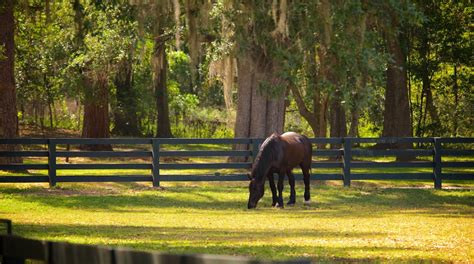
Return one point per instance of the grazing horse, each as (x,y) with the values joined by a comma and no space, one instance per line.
(280,154)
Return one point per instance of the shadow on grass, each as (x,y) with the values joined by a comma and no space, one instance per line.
(225,241)
(327,201)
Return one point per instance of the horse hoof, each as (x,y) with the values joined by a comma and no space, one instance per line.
(308,202)
(290,203)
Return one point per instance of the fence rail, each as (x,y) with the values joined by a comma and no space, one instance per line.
(347,157)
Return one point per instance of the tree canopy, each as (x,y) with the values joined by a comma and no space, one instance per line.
(225,68)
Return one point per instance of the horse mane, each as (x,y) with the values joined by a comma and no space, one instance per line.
(269,151)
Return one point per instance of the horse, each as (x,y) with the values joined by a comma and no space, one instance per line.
(280,154)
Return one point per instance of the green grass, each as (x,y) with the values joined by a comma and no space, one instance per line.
(366,222)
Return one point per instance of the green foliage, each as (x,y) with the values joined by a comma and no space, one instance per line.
(53,57)
(179,70)
(439,44)
(42,47)
(2,52)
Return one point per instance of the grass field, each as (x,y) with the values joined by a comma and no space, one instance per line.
(367,222)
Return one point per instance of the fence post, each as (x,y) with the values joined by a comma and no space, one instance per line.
(347,161)
(255,147)
(156,162)
(52,162)
(8,224)
(437,164)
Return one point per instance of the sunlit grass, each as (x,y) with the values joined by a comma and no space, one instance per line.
(363,223)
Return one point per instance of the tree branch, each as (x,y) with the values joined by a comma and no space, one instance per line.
(308,115)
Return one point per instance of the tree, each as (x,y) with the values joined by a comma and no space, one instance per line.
(101,44)
(393,18)
(126,121)
(8,113)
(261,90)
(158,13)
(125,108)
(438,50)
(160,68)
(397,120)
(340,66)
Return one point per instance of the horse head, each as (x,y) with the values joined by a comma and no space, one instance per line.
(256,190)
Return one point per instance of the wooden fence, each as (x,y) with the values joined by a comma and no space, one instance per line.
(15,250)
(348,155)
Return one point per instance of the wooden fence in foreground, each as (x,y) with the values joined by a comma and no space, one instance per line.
(348,155)
(16,250)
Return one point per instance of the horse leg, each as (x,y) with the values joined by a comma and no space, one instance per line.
(306,178)
(291,181)
(271,181)
(281,177)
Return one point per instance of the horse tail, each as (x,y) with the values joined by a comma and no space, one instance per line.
(309,151)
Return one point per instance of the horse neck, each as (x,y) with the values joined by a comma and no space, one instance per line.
(264,163)
(261,171)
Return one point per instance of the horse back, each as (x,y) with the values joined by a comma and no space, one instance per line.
(297,149)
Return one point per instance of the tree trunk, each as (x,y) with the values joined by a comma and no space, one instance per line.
(258,114)
(397,121)
(96,112)
(95,122)
(337,116)
(275,115)
(125,112)
(431,108)
(320,106)
(354,129)
(8,114)
(160,66)
(244,97)
(456,100)
(258,108)
(244,82)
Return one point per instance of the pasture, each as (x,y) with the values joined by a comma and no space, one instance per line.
(368,222)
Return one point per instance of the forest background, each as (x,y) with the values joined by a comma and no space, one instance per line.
(214,68)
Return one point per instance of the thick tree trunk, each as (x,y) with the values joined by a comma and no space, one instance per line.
(160,66)
(397,122)
(275,115)
(258,114)
(95,122)
(244,81)
(96,112)
(258,110)
(125,112)
(8,114)
(245,70)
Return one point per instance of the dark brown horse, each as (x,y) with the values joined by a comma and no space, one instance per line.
(280,154)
